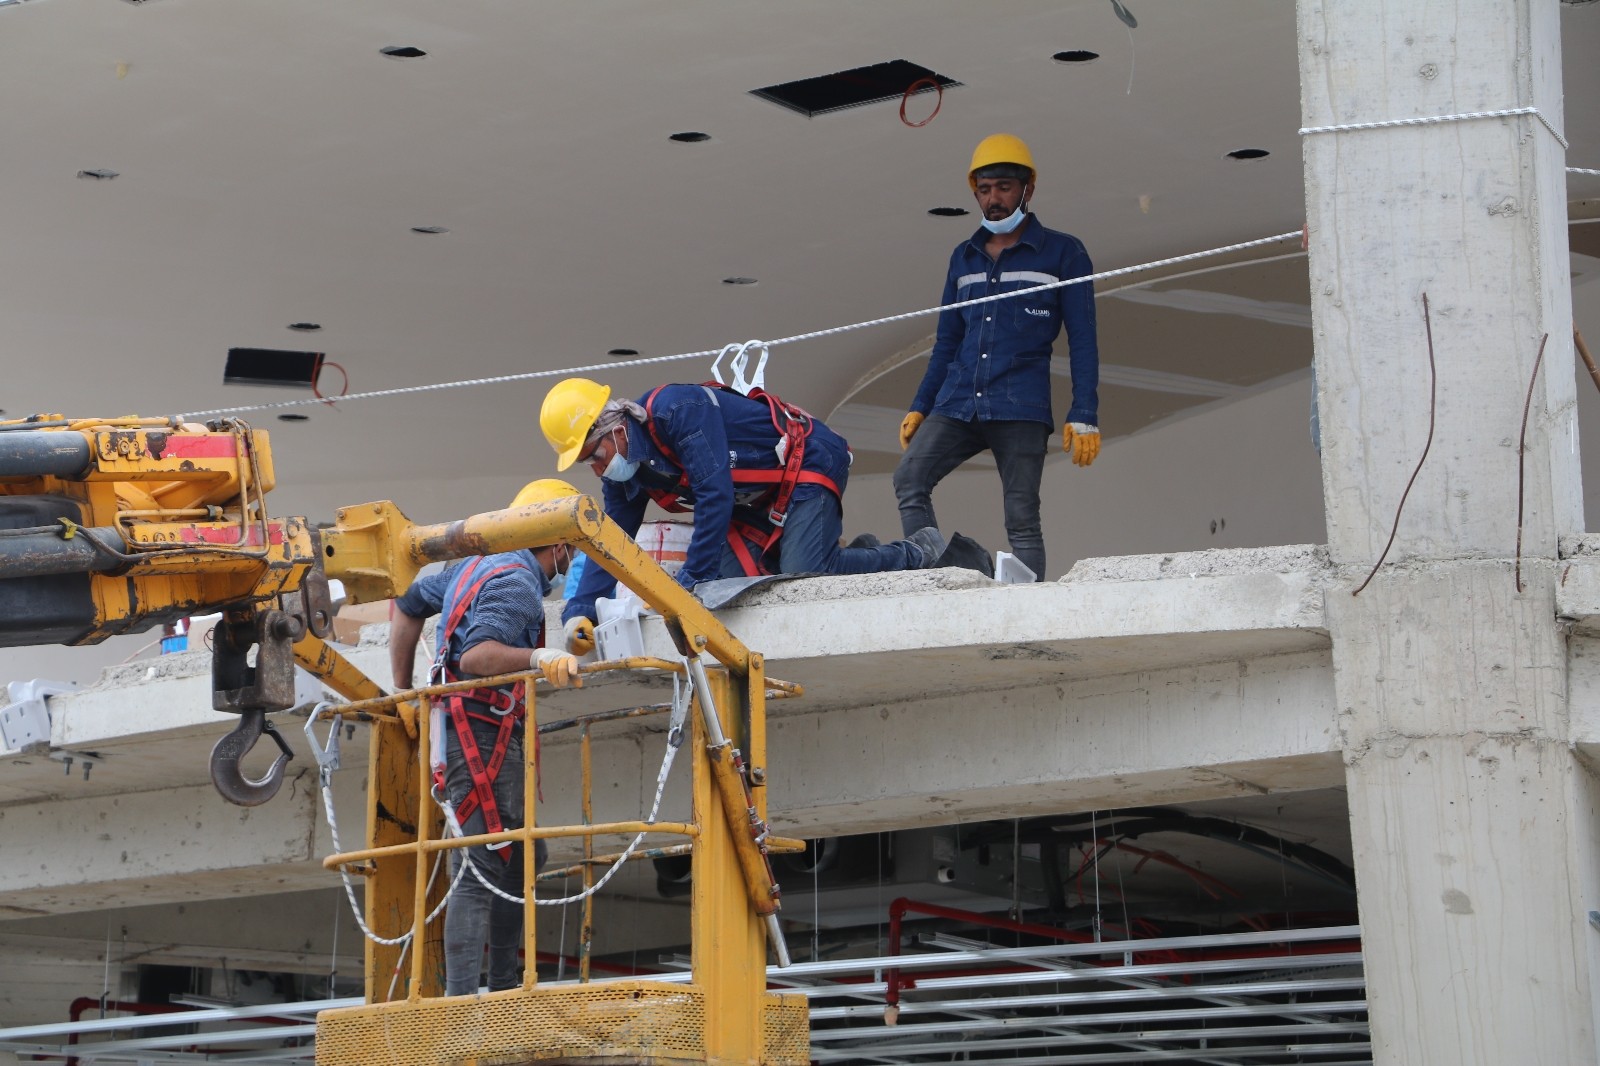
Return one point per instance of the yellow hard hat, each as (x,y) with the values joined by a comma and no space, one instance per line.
(999,148)
(543,491)
(569,412)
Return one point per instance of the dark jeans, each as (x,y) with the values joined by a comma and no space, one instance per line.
(810,544)
(475,914)
(942,444)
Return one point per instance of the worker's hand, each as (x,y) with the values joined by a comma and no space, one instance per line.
(1081,441)
(908,428)
(560,669)
(579,635)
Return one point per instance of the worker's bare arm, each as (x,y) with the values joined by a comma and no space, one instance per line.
(404,633)
(490,657)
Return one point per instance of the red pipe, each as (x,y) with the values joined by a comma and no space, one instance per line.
(897,912)
(83,1003)
(898,909)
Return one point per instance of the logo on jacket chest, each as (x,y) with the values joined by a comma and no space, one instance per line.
(1037,312)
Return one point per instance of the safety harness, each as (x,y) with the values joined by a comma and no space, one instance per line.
(505,711)
(794,426)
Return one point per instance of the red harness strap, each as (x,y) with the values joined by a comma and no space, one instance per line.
(510,710)
(794,426)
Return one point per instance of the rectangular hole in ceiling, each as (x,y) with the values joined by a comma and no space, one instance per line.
(271,366)
(852,88)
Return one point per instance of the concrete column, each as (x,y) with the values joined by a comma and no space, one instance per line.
(1471,817)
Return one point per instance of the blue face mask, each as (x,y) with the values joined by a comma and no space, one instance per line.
(619,469)
(1009,223)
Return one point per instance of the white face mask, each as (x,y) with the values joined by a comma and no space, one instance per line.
(1010,222)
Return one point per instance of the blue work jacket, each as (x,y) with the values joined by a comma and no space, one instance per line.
(710,433)
(509,608)
(991,362)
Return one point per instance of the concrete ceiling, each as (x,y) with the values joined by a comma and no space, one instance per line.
(272,163)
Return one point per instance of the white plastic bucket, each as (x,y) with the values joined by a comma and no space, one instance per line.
(666,542)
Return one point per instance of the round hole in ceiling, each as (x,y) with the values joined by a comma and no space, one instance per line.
(738,281)
(948,212)
(429,229)
(294,416)
(1249,153)
(403,51)
(622,353)
(1076,55)
(689,137)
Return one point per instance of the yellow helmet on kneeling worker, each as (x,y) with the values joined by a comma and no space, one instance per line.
(569,411)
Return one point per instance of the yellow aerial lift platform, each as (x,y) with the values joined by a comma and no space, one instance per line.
(115,525)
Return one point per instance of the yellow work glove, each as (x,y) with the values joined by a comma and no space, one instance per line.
(579,635)
(908,428)
(560,669)
(1081,441)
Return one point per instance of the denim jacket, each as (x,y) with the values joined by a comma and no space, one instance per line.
(509,608)
(710,432)
(991,362)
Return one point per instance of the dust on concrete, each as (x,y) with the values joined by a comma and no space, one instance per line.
(823,588)
(1213,562)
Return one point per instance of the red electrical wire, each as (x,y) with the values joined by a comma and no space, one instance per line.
(1433,406)
(911,90)
(315,391)
(1522,449)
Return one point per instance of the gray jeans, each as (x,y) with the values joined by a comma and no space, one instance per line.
(942,444)
(474,913)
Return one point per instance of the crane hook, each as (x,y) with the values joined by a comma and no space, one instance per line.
(233,747)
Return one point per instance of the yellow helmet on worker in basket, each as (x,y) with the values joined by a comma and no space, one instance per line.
(543,491)
(1000,148)
(569,412)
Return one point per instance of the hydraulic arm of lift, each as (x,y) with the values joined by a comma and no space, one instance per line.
(112,526)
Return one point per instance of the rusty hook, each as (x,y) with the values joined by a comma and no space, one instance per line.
(233,747)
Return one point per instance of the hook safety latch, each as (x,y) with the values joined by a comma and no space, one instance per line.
(226,773)
(327,755)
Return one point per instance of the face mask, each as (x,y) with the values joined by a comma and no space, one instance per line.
(1009,223)
(619,468)
(564,564)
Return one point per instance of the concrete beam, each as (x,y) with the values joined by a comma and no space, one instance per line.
(1158,736)
(168,846)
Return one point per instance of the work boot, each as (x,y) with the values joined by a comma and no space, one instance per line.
(929,542)
(968,554)
(864,540)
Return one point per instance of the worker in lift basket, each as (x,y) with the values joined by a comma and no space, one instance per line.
(492,622)
(764,479)
(987,386)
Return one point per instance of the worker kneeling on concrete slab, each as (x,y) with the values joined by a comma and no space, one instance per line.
(764,479)
(492,623)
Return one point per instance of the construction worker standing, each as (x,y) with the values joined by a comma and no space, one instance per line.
(492,622)
(763,478)
(987,386)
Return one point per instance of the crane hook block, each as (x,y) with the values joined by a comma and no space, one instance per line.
(226,772)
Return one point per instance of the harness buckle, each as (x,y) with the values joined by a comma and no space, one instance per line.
(777,517)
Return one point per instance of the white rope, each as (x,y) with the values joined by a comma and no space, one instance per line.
(1434,120)
(349,887)
(1582,170)
(711,352)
